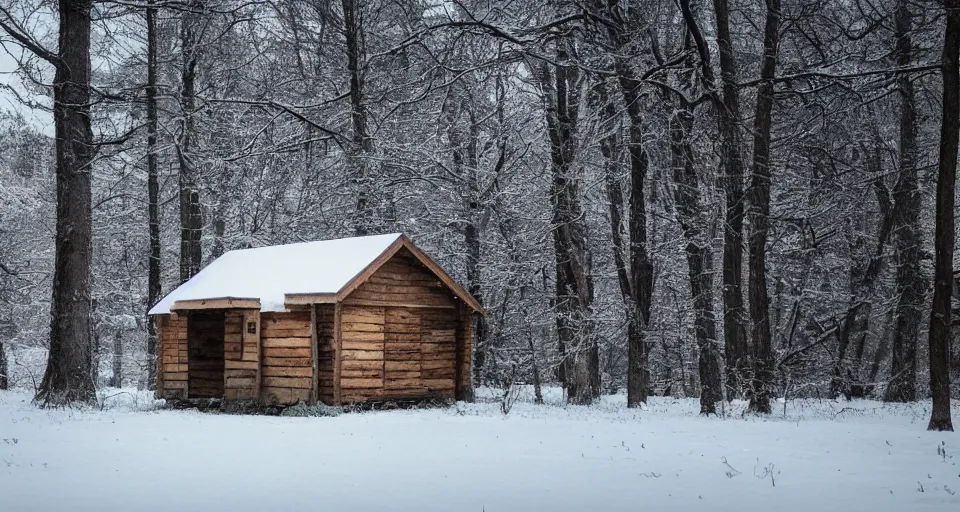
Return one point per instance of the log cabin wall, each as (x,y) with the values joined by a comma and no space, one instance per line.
(402,281)
(464,356)
(399,335)
(439,351)
(361,353)
(242,354)
(287,365)
(325,352)
(172,377)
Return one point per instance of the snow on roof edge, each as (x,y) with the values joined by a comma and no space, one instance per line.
(318,267)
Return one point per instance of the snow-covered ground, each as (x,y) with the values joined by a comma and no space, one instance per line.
(128,456)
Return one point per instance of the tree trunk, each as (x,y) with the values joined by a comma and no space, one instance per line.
(465,163)
(154,290)
(116,380)
(219,219)
(910,284)
(939,338)
(191,218)
(537,388)
(853,323)
(362,145)
(574,284)
(611,147)
(69,374)
(4,377)
(699,259)
(471,237)
(641,270)
(883,348)
(728,113)
(759,214)
(864,271)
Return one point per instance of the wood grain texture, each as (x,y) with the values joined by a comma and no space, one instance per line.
(287,357)
(216,303)
(325,352)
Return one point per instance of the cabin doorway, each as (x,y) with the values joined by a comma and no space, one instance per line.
(205,365)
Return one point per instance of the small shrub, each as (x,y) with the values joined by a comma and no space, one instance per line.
(302,410)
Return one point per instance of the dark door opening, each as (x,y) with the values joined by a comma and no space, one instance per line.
(205,333)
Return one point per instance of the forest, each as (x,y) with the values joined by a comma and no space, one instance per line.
(724,199)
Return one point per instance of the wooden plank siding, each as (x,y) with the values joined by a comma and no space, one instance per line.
(401,352)
(402,281)
(361,353)
(464,356)
(399,335)
(287,366)
(172,376)
(241,355)
(439,351)
(325,352)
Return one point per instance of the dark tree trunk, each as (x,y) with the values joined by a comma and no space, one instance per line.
(939,339)
(219,220)
(191,218)
(465,161)
(116,380)
(69,374)
(759,214)
(362,145)
(641,270)
(727,106)
(471,237)
(154,289)
(907,198)
(728,113)
(699,259)
(611,148)
(574,284)
(853,324)
(4,377)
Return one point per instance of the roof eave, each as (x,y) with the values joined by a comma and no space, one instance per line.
(216,303)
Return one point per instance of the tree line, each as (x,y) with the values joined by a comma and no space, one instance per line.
(726,199)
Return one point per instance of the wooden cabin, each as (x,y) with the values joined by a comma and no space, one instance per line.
(337,321)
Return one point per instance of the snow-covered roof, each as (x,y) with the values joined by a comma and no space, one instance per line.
(269,273)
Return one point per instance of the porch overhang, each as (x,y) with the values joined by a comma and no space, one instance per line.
(216,303)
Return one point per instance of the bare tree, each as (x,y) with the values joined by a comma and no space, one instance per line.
(759,215)
(154,288)
(361,148)
(727,105)
(191,217)
(939,337)
(699,255)
(560,89)
(69,373)
(636,280)
(907,199)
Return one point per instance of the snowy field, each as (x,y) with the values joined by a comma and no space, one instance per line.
(129,456)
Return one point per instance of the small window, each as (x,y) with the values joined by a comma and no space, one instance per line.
(251,327)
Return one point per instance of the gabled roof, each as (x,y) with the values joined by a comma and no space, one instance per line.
(272,277)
